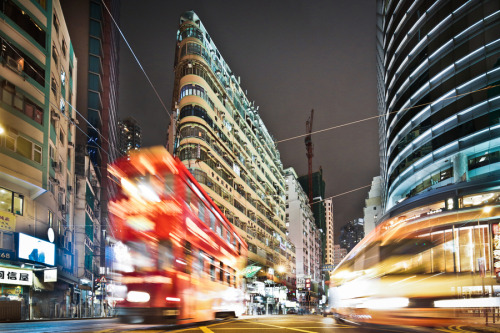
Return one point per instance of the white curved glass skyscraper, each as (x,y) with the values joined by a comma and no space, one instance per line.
(439,101)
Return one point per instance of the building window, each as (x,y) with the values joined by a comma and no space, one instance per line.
(51,219)
(63,77)
(63,47)
(54,54)
(62,105)
(16,99)
(56,23)
(61,137)
(53,85)
(23,146)
(24,21)
(11,201)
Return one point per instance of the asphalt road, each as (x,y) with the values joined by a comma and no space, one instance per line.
(254,324)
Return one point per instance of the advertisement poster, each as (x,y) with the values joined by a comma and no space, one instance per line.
(35,249)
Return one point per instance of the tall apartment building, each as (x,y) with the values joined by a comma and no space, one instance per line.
(318,209)
(220,137)
(329,232)
(305,235)
(302,229)
(339,253)
(96,41)
(438,66)
(352,233)
(129,133)
(37,140)
(373,205)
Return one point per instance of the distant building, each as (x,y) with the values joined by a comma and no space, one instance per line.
(129,135)
(329,232)
(352,233)
(302,229)
(373,205)
(339,253)
(306,236)
(318,209)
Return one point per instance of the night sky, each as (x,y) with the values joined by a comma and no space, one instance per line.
(292,56)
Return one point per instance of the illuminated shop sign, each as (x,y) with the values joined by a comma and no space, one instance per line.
(35,249)
(16,276)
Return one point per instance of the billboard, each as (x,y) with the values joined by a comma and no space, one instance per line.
(35,249)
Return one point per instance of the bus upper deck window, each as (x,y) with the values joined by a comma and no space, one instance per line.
(169,181)
(165,255)
(221,272)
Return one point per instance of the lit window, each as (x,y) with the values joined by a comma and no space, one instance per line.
(63,77)
(62,105)
(11,201)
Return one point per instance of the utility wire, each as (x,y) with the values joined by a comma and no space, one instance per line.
(341,194)
(385,114)
(136,59)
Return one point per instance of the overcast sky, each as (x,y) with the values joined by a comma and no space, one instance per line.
(292,56)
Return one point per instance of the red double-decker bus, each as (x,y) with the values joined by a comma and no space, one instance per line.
(177,256)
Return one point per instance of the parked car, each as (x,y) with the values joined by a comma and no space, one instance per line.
(291,311)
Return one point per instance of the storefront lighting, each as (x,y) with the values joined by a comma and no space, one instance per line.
(487,209)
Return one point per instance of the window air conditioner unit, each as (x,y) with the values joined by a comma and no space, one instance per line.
(71,144)
(17,65)
(55,116)
(70,188)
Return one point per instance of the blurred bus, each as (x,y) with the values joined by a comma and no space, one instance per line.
(428,271)
(177,256)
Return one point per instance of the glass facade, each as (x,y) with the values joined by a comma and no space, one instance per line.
(439,102)
(438,64)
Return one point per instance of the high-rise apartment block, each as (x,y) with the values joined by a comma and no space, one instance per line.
(219,135)
(306,236)
(37,157)
(352,233)
(129,133)
(96,45)
(302,229)
(329,232)
(339,254)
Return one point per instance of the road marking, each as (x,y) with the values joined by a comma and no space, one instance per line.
(278,328)
(287,328)
(454,329)
(205,329)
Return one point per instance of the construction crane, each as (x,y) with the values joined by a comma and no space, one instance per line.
(309,154)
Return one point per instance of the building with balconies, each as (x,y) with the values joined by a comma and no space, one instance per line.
(304,234)
(88,234)
(37,141)
(217,132)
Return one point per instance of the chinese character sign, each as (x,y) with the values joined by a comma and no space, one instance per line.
(7,221)
(16,276)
